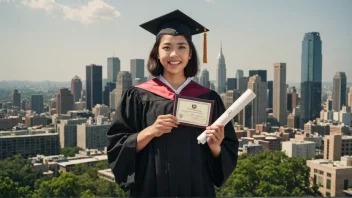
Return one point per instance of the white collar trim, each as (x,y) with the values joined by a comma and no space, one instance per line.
(162,79)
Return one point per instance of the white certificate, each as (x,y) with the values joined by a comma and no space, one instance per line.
(193,111)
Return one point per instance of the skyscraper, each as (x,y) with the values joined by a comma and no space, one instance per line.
(261,73)
(113,68)
(37,103)
(280,100)
(259,87)
(64,101)
(339,91)
(110,86)
(221,73)
(16,98)
(231,83)
(124,81)
(239,76)
(94,85)
(76,88)
(204,78)
(311,77)
(137,70)
(270,94)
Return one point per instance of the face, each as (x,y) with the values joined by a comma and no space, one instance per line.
(174,54)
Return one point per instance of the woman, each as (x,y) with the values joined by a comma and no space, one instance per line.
(149,152)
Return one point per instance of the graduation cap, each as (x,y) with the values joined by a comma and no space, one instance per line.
(177,23)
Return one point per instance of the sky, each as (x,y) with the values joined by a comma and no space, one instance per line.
(55,39)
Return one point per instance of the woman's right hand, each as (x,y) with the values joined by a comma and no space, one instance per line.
(163,124)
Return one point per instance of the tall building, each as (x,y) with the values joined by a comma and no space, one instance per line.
(76,88)
(68,131)
(137,70)
(110,86)
(339,91)
(28,144)
(92,136)
(204,78)
(279,99)
(64,101)
(350,97)
(239,76)
(261,73)
(94,85)
(113,68)
(259,103)
(221,73)
(311,77)
(16,98)
(299,148)
(37,103)
(231,83)
(242,87)
(270,94)
(332,177)
(124,81)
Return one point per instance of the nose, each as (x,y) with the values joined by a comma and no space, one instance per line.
(173,53)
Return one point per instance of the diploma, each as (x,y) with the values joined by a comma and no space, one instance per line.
(193,112)
(231,112)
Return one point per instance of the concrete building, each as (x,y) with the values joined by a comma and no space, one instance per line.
(76,88)
(299,148)
(279,98)
(67,130)
(239,75)
(258,109)
(37,104)
(337,145)
(92,136)
(334,177)
(253,148)
(28,143)
(221,73)
(64,101)
(339,91)
(231,84)
(68,166)
(35,120)
(124,81)
(101,110)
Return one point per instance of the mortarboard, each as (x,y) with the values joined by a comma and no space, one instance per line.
(177,23)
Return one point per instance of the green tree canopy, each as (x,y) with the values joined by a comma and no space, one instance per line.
(269,173)
(69,151)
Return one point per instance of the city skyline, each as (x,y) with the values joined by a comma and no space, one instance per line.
(55,37)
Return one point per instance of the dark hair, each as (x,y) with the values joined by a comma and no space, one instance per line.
(155,67)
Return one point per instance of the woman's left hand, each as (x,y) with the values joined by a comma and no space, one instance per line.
(215,136)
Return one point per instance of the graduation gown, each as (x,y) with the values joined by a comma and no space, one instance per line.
(173,164)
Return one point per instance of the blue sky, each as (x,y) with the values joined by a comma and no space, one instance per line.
(56,39)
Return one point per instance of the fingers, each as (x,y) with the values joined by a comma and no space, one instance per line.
(216,133)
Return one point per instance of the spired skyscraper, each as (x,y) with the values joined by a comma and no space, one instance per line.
(221,73)
(311,77)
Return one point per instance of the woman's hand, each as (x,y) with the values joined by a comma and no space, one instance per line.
(215,136)
(163,124)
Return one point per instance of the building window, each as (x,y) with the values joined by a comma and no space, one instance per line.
(321,172)
(315,170)
(328,184)
(328,194)
(345,184)
(328,174)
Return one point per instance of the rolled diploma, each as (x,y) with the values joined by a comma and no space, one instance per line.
(231,112)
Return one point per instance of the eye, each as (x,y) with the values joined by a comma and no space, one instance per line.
(166,48)
(182,47)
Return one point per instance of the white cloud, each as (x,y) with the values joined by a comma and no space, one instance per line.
(94,11)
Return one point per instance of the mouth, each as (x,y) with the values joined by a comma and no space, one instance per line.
(174,63)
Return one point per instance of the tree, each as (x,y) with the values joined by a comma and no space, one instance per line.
(69,151)
(269,173)
(19,170)
(66,185)
(9,188)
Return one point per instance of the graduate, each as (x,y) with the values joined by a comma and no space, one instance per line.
(150,153)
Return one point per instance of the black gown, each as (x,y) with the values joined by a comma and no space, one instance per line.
(173,164)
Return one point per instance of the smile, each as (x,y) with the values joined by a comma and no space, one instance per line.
(174,62)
